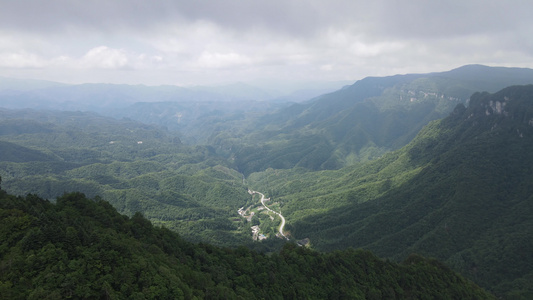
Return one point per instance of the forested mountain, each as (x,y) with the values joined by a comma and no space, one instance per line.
(195,111)
(360,122)
(136,167)
(258,130)
(460,192)
(81,248)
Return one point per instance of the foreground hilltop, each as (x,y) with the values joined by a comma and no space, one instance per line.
(83,248)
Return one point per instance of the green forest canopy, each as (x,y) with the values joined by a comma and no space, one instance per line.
(82,248)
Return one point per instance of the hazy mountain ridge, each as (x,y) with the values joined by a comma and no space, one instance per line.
(211,114)
(196,112)
(12,84)
(362,121)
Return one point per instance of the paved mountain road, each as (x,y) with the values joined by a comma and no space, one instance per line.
(279,214)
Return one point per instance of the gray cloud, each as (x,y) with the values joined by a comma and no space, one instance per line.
(65,15)
(168,41)
(295,17)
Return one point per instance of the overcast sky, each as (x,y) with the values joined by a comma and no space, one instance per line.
(212,42)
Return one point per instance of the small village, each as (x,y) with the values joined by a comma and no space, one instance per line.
(248,214)
(252,210)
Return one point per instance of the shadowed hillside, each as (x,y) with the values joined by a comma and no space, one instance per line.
(360,122)
(459,192)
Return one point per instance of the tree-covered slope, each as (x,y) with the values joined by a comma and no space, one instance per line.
(136,167)
(360,122)
(15,153)
(460,192)
(81,248)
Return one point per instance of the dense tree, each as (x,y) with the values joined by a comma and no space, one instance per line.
(459,192)
(82,248)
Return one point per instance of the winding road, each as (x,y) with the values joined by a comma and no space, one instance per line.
(279,214)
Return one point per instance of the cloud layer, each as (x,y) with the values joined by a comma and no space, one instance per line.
(205,42)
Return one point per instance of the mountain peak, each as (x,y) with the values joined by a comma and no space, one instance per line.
(515,102)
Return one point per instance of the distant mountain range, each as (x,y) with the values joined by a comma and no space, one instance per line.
(98,96)
(336,127)
(359,122)
(190,110)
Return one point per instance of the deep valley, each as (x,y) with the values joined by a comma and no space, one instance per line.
(429,172)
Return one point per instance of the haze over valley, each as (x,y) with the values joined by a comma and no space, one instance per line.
(282,150)
(339,170)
